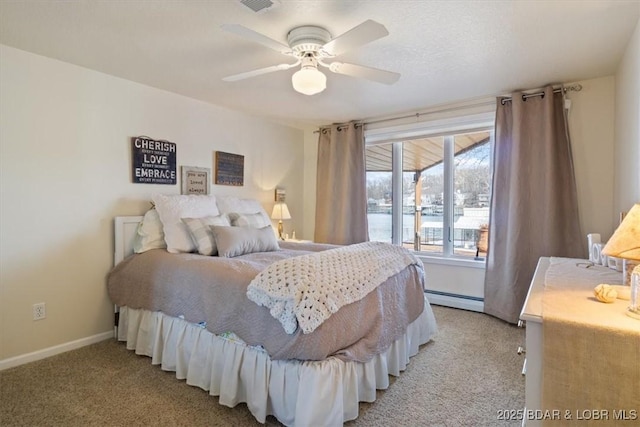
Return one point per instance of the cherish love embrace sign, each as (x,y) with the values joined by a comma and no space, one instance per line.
(153,162)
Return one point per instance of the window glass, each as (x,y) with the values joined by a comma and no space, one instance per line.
(472,188)
(379,195)
(446,185)
(422,161)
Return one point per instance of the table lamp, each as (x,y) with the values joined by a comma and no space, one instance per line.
(625,244)
(280,212)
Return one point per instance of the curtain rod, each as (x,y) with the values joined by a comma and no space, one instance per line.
(564,89)
(569,88)
(408,116)
(437,111)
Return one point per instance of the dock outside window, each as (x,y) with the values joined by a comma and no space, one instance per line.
(445,183)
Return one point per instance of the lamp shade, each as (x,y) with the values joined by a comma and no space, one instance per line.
(625,242)
(309,80)
(280,212)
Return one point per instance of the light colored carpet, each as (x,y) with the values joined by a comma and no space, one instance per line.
(462,378)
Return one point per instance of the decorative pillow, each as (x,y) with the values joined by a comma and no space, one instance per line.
(149,234)
(231,204)
(255,220)
(171,208)
(234,206)
(202,234)
(235,241)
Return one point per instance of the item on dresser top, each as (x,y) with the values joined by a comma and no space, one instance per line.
(602,259)
(625,243)
(592,239)
(596,253)
(621,292)
(614,262)
(634,298)
(605,293)
(624,292)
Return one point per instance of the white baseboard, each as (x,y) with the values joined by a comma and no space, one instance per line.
(52,351)
(455,302)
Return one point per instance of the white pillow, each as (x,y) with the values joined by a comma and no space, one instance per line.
(235,241)
(232,204)
(255,220)
(171,208)
(235,206)
(149,234)
(202,234)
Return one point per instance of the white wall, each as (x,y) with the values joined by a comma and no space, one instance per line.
(65,172)
(627,128)
(591,127)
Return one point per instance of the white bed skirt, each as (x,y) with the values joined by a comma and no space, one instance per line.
(324,393)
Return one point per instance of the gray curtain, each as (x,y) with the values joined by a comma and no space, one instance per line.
(341,192)
(534,207)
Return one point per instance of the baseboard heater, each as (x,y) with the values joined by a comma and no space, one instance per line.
(447,299)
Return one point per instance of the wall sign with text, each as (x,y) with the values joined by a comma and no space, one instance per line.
(153,162)
(229,169)
(195,180)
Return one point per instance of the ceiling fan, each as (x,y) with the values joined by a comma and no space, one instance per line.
(312,46)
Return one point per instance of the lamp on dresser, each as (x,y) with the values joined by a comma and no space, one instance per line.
(280,212)
(625,243)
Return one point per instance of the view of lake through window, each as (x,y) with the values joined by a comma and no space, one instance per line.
(442,177)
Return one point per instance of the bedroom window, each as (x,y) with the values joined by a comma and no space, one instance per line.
(430,192)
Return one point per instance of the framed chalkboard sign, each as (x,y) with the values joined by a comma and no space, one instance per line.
(229,169)
(153,162)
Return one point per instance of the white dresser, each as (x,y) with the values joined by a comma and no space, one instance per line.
(532,315)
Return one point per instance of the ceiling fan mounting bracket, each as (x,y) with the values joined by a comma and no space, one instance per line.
(308,39)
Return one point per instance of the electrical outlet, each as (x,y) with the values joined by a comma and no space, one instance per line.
(39,312)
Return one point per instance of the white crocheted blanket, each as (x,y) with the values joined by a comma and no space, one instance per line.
(305,290)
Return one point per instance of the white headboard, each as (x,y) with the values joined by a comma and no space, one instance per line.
(125,228)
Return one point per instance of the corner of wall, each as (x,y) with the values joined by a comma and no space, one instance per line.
(309,186)
(627,127)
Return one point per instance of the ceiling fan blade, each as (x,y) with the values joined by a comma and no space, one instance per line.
(259,71)
(375,74)
(253,36)
(360,35)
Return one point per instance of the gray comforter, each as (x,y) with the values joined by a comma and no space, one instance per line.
(213,290)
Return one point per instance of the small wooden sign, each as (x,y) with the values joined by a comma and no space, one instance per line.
(195,180)
(153,162)
(229,169)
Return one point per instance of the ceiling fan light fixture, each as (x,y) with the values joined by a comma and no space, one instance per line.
(308,80)
(311,46)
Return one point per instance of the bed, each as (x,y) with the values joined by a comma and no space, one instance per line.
(164,311)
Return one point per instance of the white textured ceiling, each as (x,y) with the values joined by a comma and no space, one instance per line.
(446,51)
